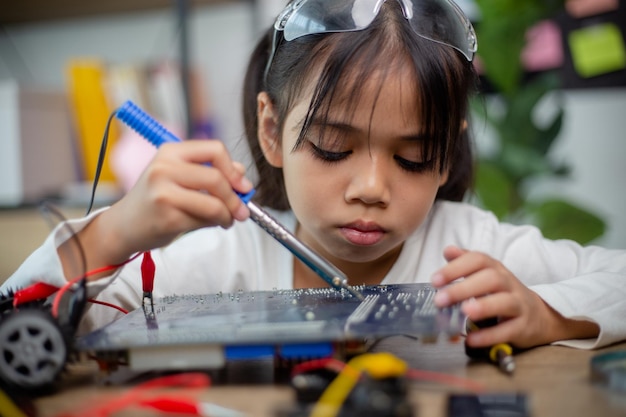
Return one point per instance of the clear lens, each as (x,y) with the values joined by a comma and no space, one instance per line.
(320,16)
(444,22)
(440,21)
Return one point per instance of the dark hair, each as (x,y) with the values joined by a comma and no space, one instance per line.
(444,77)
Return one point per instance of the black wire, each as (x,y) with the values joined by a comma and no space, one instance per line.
(46,210)
(101,156)
(78,300)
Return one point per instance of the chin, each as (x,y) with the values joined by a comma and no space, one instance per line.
(363,254)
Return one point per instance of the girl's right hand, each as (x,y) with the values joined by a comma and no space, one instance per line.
(177,192)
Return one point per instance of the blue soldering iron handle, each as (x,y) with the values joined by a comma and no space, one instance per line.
(154,132)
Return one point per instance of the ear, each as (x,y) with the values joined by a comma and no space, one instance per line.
(464,126)
(268,134)
(444,177)
(446,174)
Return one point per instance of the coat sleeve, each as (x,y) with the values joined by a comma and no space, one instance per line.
(44,265)
(579,282)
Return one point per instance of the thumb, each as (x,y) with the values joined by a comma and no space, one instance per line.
(453,252)
(239,167)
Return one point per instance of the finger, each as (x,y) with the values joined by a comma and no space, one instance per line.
(197,209)
(460,267)
(453,252)
(173,210)
(500,304)
(214,184)
(503,332)
(215,153)
(481,283)
(241,168)
(195,177)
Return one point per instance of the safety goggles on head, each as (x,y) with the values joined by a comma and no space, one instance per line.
(440,21)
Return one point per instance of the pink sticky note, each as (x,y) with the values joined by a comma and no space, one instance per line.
(544,49)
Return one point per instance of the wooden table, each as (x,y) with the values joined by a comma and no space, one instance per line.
(555,379)
(22,230)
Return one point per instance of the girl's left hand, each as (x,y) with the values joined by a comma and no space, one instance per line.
(489,290)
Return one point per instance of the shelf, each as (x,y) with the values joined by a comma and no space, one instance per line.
(28,11)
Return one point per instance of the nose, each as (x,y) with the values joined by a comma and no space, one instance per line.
(369,183)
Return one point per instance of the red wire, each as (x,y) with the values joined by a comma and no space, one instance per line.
(138,394)
(104,303)
(172,405)
(315,364)
(445,379)
(65,288)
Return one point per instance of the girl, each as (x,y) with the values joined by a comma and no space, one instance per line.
(356,114)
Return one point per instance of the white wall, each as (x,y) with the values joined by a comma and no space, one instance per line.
(593,140)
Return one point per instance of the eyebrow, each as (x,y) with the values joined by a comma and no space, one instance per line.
(335,125)
(418,137)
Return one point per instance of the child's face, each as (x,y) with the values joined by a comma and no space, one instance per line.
(361,191)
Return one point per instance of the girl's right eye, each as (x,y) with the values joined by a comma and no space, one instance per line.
(327,156)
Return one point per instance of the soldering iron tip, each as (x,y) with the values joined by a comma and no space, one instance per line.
(354,292)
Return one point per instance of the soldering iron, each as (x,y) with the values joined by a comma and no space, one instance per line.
(150,129)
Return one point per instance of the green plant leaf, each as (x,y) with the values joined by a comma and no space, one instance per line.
(521,162)
(493,189)
(522,146)
(546,137)
(518,121)
(560,219)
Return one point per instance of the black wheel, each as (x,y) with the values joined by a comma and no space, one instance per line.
(33,350)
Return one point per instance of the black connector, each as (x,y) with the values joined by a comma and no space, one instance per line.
(500,354)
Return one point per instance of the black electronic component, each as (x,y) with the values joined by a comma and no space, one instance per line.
(609,370)
(379,398)
(488,405)
(309,386)
(501,354)
(375,397)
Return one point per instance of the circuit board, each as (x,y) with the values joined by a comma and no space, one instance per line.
(222,326)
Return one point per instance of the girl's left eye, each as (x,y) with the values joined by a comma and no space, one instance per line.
(412,166)
(333,157)
(328,156)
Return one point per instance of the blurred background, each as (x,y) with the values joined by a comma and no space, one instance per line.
(66,65)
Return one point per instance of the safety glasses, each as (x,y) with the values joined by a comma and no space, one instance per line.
(440,21)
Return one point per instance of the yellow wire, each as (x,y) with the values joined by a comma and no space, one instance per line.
(378,365)
(8,408)
(493,352)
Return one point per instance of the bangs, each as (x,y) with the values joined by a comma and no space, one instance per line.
(345,63)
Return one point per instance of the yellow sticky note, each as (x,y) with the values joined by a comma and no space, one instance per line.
(597,49)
